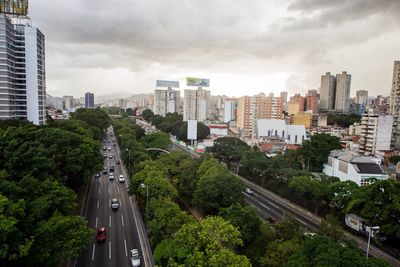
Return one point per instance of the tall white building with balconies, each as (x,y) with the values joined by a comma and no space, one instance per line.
(342,94)
(22,71)
(376,133)
(395,104)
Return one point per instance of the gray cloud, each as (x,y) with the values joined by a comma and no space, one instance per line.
(169,38)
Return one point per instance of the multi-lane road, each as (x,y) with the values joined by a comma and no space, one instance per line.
(124,226)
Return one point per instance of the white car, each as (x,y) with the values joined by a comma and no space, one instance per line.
(114,204)
(111,177)
(121,179)
(135,258)
(248,190)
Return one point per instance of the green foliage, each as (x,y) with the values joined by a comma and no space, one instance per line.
(228,149)
(288,228)
(315,151)
(165,219)
(244,218)
(343,120)
(147,114)
(394,159)
(210,242)
(330,227)
(378,203)
(216,188)
(321,251)
(278,251)
(94,118)
(156,140)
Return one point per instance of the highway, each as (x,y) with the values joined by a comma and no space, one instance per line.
(124,227)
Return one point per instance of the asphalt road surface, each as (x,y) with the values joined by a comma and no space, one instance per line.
(124,226)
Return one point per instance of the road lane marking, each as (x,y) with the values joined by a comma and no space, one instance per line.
(94,248)
(126,251)
(109,192)
(122,219)
(98,203)
(110,220)
(109,202)
(97,220)
(300,221)
(120,203)
(99,190)
(263,205)
(109,250)
(118,189)
(274,205)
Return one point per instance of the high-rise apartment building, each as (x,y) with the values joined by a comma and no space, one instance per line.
(376,133)
(166,101)
(361,97)
(284,96)
(342,95)
(312,101)
(230,106)
(22,69)
(68,102)
(296,104)
(395,104)
(196,104)
(251,108)
(89,100)
(327,92)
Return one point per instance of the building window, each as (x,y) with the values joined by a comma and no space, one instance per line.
(295,138)
(365,182)
(283,134)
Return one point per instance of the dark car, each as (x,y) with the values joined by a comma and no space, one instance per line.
(112,168)
(117,161)
(105,171)
(101,234)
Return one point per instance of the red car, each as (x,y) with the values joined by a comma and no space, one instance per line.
(118,162)
(101,234)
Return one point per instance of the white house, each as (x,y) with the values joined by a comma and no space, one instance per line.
(349,165)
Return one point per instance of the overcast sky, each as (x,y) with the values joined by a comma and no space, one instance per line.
(121,47)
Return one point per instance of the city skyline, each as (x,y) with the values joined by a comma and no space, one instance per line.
(264,46)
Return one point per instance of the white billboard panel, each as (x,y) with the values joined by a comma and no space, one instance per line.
(192,130)
(172,84)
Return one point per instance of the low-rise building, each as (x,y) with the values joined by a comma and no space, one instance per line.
(349,165)
(277,129)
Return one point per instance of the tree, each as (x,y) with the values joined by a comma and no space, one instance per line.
(315,151)
(216,188)
(312,189)
(379,204)
(330,227)
(202,131)
(210,242)
(278,251)
(343,120)
(394,159)
(228,149)
(165,219)
(156,140)
(93,117)
(342,193)
(60,237)
(244,218)
(147,114)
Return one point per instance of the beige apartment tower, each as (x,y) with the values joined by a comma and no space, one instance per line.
(395,104)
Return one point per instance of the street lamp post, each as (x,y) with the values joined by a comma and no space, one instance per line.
(129,161)
(147,201)
(237,169)
(374,228)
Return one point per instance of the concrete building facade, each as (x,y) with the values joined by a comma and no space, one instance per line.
(22,71)
(395,104)
(342,94)
(327,92)
(196,104)
(166,101)
(376,133)
(89,100)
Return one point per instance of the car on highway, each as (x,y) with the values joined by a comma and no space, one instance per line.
(110,156)
(111,173)
(117,161)
(111,178)
(121,178)
(101,234)
(109,148)
(271,220)
(135,258)
(114,204)
(112,168)
(248,191)
(104,148)
(97,175)
(105,155)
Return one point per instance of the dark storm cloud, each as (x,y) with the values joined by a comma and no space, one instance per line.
(209,35)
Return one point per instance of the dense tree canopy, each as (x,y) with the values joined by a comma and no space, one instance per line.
(343,120)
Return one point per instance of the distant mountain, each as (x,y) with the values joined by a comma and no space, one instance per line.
(114,96)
